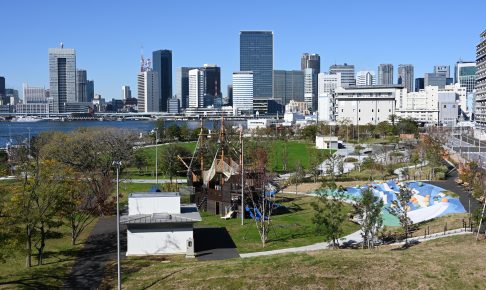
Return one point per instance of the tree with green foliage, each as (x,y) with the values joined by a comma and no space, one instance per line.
(140,160)
(309,132)
(368,209)
(406,126)
(383,129)
(169,163)
(329,215)
(298,175)
(400,208)
(173,132)
(315,159)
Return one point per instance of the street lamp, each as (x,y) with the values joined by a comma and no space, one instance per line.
(118,164)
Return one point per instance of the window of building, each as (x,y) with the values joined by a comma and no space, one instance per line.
(372,110)
(445,106)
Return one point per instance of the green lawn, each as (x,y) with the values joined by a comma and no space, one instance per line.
(456,262)
(58,260)
(291,229)
(296,151)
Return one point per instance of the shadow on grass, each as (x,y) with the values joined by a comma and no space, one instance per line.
(38,277)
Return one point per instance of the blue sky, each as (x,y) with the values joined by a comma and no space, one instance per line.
(108,35)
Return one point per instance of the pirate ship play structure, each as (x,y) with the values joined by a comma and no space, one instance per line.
(215,173)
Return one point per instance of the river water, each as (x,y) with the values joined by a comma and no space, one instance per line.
(19,131)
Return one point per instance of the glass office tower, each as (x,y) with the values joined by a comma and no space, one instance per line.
(162,64)
(256,55)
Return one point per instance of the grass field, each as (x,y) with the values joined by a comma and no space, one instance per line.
(291,229)
(58,260)
(449,263)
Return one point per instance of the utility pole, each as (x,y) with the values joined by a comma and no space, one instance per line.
(156,157)
(118,164)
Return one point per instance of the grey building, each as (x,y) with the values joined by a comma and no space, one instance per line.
(465,74)
(62,77)
(419,84)
(81,88)
(256,55)
(405,76)
(385,74)
(182,86)
(89,91)
(2,87)
(229,100)
(444,70)
(173,106)
(162,64)
(311,60)
(480,115)
(433,79)
(288,85)
(126,92)
(347,74)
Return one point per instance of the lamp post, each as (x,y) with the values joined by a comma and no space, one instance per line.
(156,157)
(118,164)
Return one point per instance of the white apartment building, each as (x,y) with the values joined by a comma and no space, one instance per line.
(365,78)
(242,91)
(148,91)
(327,83)
(194,88)
(367,104)
(310,88)
(430,106)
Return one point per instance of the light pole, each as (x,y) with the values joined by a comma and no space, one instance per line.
(156,157)
(118,164)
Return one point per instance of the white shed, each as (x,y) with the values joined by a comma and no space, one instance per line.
(158,224)
(327,142)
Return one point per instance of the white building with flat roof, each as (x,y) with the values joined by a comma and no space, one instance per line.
(367,104)
(158,224)
(148,91)
(243,91)
(327,142)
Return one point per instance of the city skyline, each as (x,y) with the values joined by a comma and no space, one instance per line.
(113,60)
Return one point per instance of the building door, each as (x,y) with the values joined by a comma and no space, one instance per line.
(217,207)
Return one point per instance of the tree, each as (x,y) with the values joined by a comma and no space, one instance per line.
(78,204)
(316,158)
(262,200)
(399,208)
(140,160)
(173,132)
(309,132)
(91,152)
(329,214)
(368,208)
(383,129)
(169,163)
(332,163)
(298,175)
(407,126)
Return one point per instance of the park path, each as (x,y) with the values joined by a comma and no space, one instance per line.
(91,261)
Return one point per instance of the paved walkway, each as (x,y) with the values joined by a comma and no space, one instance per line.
(449,233)
(349,239)
(100,248)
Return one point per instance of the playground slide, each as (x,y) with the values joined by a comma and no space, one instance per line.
(427,213)
(228,215)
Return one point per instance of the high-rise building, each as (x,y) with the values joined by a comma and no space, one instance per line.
(310,88)
(90,91)
(311,60)
(2,86)
(256,55)
(62,77)
(173,106)
(465,74)
(385,74)
(405,76)
(229,97)
(204,86)
(182,85)
(444,70)
(148,91)
(126,92)
(327,83)
(81,81)
(435,79)
(243,91)
(480,109)
(162,65)
(419,84)
(288,85)
(365,78)
(347,73)
(34,94)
